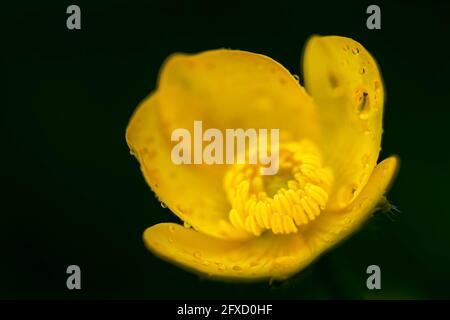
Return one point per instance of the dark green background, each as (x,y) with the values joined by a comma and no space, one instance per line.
(72,193)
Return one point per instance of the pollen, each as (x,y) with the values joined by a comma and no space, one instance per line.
(284,202)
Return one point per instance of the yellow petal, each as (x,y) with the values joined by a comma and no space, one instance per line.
(196,198)
(224,89)
(332,227)
(267,256)
(234,89)
(345,83)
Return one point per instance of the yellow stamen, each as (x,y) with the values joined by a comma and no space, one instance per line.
(281,203)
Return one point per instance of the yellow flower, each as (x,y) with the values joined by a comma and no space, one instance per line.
(250,226)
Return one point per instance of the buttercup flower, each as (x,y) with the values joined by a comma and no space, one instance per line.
(251,226)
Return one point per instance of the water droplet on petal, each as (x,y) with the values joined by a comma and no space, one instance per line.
(172,228)
(237,268)
(163,205)
(362,103)
(187,225)
(346,193)
(365,160)
(355,50)
(376,85)
(197,254)
(220,266)
(296,77)
(254,263)
(349,221)
(364,106)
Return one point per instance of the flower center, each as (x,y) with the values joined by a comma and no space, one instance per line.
(281,203)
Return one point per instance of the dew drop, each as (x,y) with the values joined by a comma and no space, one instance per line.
(197,254)
(376,85)
(365,160)
(220,266)
(163,205)
(253,263)
(355,50)
(237,268)
(187,225)
(362,104)
(171,228)
(349,221)
(296,77)
(132,152)
(346,193)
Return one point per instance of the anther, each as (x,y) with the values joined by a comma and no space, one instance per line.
(301,192)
